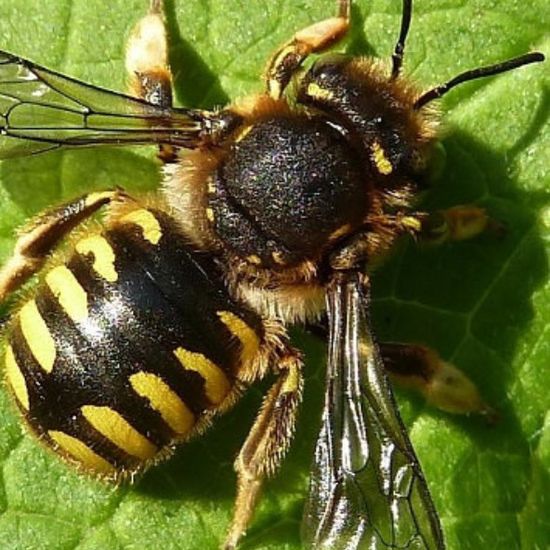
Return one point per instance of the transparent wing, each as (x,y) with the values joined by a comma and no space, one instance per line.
(41,110)
(367,490)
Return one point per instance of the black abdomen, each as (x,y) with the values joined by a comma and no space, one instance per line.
(128,345)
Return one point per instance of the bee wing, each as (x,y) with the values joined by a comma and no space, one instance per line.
(41,110)
(367,490)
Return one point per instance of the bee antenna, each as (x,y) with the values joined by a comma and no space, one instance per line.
(397,57)
(438,91)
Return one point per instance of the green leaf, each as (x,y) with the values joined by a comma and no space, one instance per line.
(483,304)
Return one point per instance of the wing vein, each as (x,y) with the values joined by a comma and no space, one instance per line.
(367,489)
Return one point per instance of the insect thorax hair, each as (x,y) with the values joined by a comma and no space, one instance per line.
(298,180)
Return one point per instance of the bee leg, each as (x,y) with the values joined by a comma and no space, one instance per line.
(147,58)
(267,443)
(315,38)
(458,224)
(421,368)
(148,67)
(442,384)
(43,234)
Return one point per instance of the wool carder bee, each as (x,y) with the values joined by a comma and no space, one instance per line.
(272,212)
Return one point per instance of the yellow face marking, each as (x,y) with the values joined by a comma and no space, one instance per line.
(210,215)
(82,453)
(16,379)
(37,335)
(250,341)
(104,256)
(148,223)
(93,198)
(216,383)
(316,92)
(119,431)
(383,165)
(70,295)
(172,409)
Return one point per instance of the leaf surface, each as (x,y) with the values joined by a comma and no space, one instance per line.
(484,304)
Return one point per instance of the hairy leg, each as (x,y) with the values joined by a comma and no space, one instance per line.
(41,236)
(313,39)
(267,443)
(150,76)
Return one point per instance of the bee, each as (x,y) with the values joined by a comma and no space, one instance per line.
(273,211)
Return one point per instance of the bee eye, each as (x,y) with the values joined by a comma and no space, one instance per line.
(329,65)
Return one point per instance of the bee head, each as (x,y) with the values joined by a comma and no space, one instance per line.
(375,111)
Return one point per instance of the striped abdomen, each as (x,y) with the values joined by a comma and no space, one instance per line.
(127,346)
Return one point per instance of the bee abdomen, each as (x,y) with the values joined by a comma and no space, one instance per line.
(127,346)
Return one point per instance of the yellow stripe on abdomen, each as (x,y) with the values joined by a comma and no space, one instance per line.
(82,453)
(68,292)
(172,409)
(119,431)
(104,256)
(247,336)
(16,379)
(146,220)
(37,335)
(216,383)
